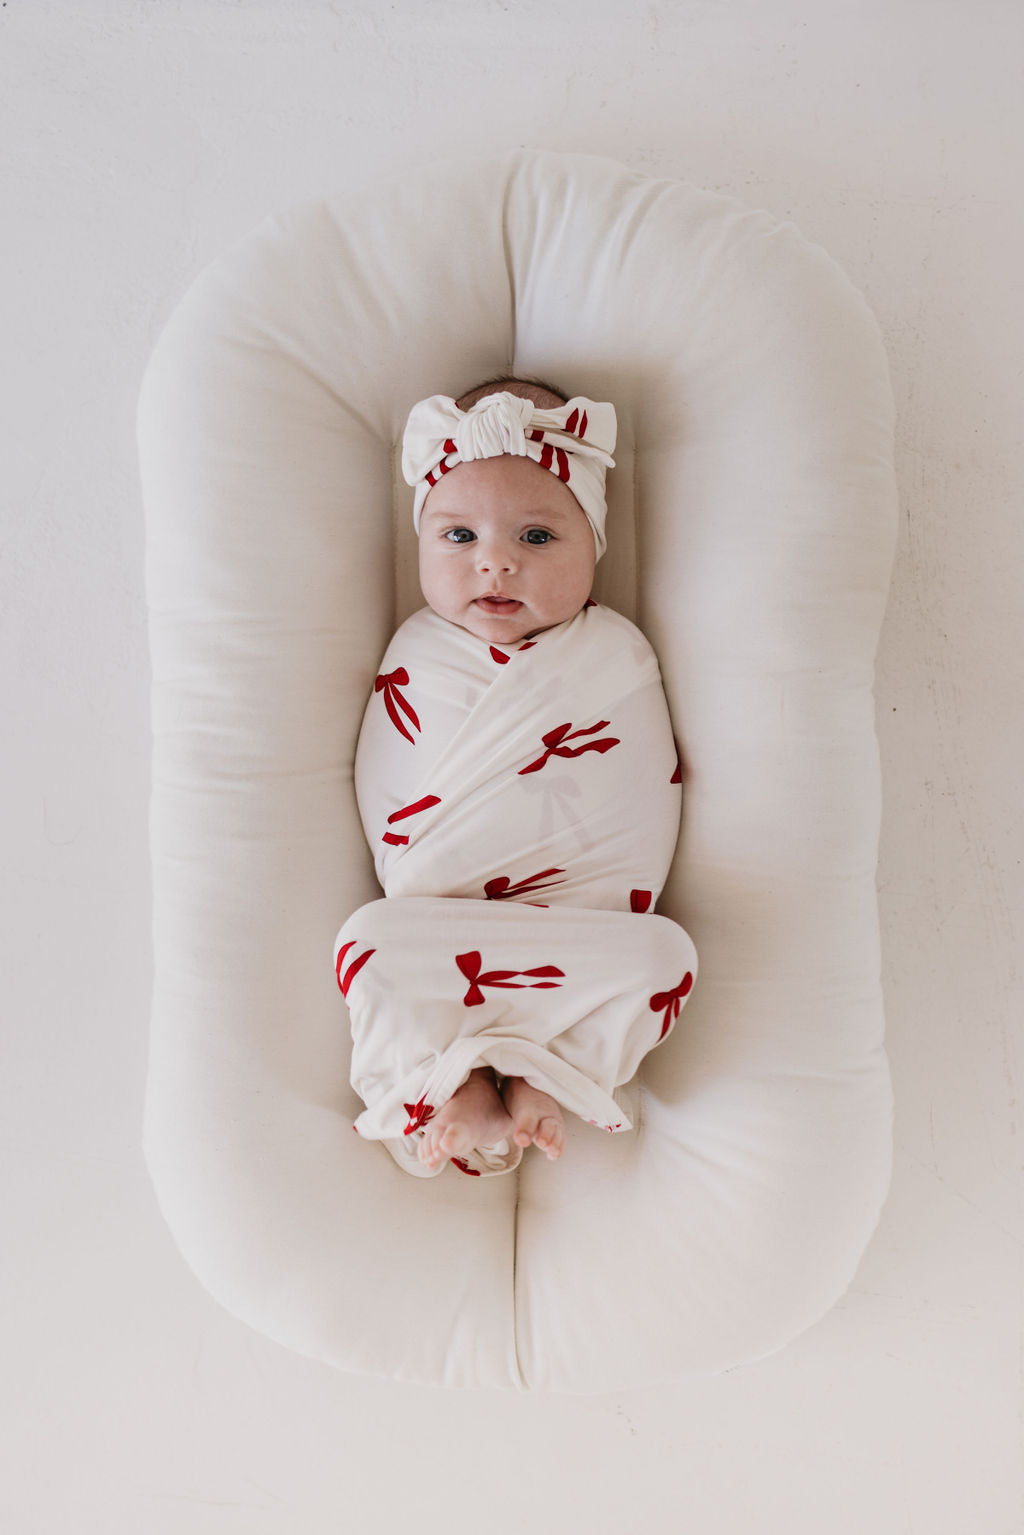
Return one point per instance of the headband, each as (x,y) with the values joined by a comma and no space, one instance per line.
(574,442)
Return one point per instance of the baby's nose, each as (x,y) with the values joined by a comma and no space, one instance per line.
(492,555)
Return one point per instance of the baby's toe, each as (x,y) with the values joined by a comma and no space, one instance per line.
(455,1141)
(550,1138)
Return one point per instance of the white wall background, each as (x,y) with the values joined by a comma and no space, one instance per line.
(136,141)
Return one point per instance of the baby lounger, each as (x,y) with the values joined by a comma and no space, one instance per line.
(751,529)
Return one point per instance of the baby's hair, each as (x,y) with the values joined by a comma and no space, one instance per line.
(542,395)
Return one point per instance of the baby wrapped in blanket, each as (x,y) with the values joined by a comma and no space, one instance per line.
(519,786)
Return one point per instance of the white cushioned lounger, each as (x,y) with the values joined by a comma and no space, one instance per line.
(751,532)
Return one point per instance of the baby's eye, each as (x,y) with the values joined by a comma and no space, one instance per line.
(460,535)
(537,536)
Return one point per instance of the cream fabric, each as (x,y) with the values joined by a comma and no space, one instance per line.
(750,533)
(536,791)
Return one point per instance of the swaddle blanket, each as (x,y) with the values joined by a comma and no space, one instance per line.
(522,804)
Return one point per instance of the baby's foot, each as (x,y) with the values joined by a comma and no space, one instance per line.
(536,1117)
(473,1116)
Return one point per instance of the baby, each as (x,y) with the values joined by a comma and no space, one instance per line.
(510,514)
(506,551)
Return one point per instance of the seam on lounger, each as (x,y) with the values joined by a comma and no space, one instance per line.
(635,486)
(397,520)
(521,1384)
(507,253)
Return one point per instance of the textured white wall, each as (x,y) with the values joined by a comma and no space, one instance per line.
(137,140)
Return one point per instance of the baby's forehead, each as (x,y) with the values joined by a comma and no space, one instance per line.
(503,485)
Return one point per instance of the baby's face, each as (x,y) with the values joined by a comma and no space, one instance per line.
(505,550)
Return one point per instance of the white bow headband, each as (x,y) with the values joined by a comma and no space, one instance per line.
(574,442)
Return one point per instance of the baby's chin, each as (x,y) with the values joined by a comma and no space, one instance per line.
(502,628)
(502,631)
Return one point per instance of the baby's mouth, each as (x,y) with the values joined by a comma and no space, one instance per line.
(496,602)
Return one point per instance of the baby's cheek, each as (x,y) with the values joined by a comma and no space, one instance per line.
(436,584)
(577,580)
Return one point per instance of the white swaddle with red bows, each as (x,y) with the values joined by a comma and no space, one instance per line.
(522,804)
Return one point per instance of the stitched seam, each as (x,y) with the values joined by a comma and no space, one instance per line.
(637,609)
(507,252)
(520,1382)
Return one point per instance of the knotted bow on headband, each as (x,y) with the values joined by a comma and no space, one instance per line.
(575,442)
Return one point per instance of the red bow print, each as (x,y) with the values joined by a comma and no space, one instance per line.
(443,467)
(549,452)
(464,1167)
(419,1114)
(397,839)
(345,981)
(470,964)
(640,900)
(671,1001)
(503,659)
(555,739)
(502,888)
(389,683)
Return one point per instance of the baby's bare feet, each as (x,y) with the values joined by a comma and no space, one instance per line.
(473,1116)
(536,1117)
